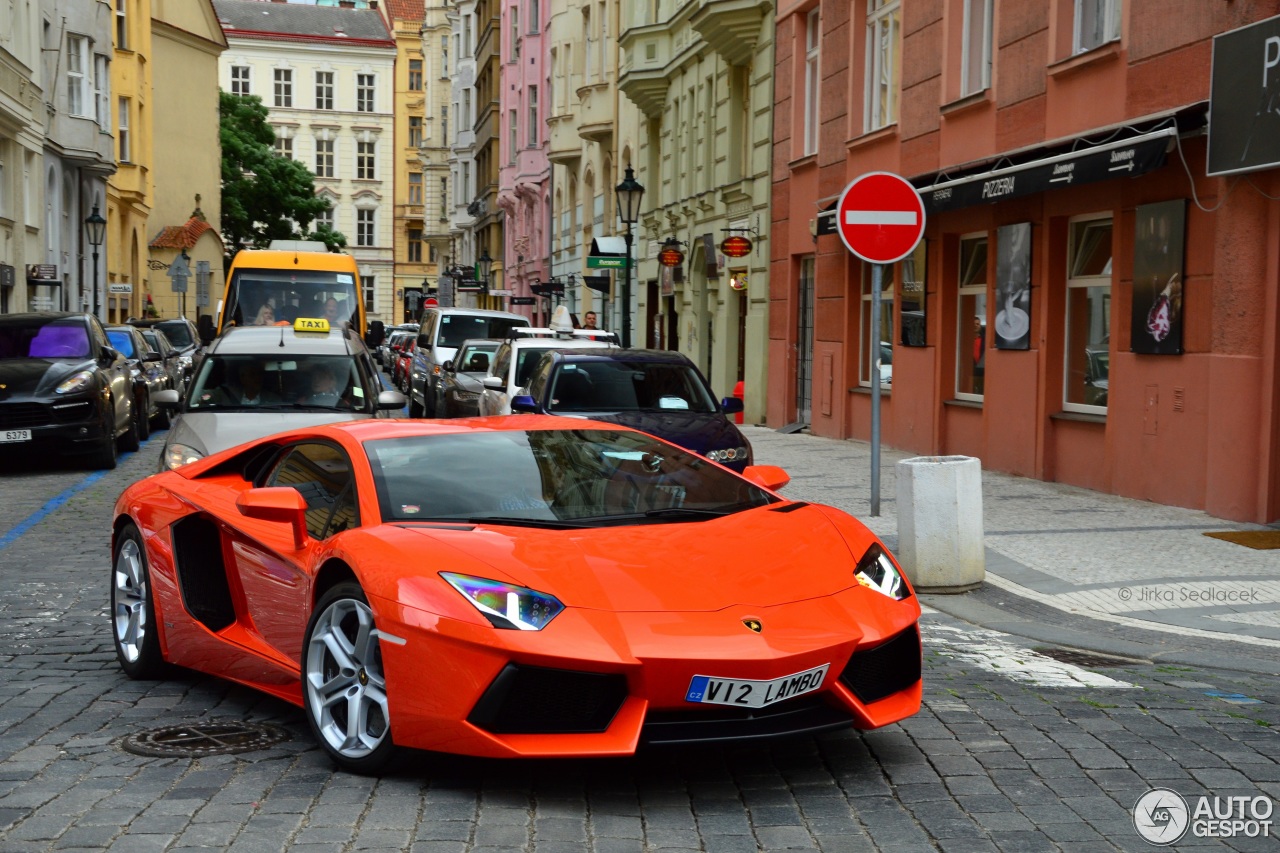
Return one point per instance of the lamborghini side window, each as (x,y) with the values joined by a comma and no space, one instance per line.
(322,475)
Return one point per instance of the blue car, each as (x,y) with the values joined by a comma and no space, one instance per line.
(660,392)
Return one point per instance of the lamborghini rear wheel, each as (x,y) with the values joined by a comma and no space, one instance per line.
(133,612)
(344,689)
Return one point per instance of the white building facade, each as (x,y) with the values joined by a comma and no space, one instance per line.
(326,77)
(462,148)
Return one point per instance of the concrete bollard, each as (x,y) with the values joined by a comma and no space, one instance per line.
(940,536)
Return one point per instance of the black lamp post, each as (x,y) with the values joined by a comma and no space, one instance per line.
(629,194)
(95,231)
(483,265)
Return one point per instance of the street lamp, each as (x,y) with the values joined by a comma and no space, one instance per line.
(95,231)
(629,193)
(483,264)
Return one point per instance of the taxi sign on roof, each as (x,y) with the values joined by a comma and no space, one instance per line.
(311,324)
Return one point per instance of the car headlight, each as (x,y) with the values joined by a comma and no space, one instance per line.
(877,571)
(506,605)
(177,455)
(461,395)
(77,382)
(732,454)
(184,361)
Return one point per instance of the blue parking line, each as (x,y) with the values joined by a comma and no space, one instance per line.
(54,504)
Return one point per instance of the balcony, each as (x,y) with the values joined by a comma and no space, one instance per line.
(564,145)
(595,112)
(643,76)
(731,27)
(411,212)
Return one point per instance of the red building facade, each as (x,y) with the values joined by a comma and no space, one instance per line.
(1089,305)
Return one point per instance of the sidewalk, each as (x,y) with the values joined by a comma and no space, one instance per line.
(1074,567)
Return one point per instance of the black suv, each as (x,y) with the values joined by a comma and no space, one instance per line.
(63,387)
(182,333)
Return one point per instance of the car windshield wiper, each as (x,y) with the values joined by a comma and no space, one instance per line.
(523,521)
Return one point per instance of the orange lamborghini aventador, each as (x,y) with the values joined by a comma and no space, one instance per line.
(507,587)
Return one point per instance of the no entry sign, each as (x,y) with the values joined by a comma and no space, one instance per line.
(880,217)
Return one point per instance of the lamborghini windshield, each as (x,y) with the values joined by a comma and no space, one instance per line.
(551,478)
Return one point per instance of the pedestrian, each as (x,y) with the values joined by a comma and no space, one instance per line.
(589,321)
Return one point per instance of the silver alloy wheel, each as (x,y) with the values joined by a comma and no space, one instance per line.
(130,601)
(345,687)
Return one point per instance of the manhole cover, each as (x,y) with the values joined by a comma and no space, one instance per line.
(1086,659)
(194,740)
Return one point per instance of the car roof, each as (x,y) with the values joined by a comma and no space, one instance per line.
(560,343)
(652,356)
(478,312)
(43,316)
(146,324)
(282,340)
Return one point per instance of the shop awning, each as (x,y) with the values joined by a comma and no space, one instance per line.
(1124,158)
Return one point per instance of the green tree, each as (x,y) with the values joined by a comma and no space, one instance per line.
(265,196)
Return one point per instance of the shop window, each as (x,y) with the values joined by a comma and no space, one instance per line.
(971,319)
(880,342)
(1088,342)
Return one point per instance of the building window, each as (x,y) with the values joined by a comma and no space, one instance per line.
(976,53)
(533,116)
(415,245)
(877,343)
(812,80)
(444,124)
(515,34)
(465,118)
(364,93)
(78,100)
(325,218)
(883,35)
(1097,22)
(102,91)
(283,87)
(415,75)
(415,131)
(1088,348)
(284,146)
(122,24)
(368,286)
(240,80)
(324,158)
(535,16)
(415,188)
(365,166)
(364,227)
(444,54)
(444,199)
(122,132)
(324,90)
(971,333)
(512,144)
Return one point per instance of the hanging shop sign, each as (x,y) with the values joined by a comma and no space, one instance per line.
(671,257)
(45,274)
(1244,127)
(735,246)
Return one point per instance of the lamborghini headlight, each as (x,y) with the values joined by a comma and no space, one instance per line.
(75,382)
(177,455)
(877,571)
(506,605)
(731,454)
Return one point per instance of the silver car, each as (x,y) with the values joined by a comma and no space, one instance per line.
(259,380)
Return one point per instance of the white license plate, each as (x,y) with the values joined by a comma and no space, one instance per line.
(9,436)
(754,694)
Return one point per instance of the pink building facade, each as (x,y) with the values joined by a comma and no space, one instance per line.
(525,176)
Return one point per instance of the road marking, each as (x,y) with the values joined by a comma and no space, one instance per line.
(881,217)
(996,653)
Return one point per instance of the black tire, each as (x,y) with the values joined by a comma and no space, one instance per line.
(141,418)
(134,629)
(331,687)
(130,442)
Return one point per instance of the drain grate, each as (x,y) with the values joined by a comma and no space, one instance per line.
(1089,660)
(195,740)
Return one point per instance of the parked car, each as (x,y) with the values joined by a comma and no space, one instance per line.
(443,331)
(382,353)
(508,588)
(258,380)
(394,345)
(64,388)
(460,380)
(659,391)
(169,355)
(404,363)
(519,354)
(182,333)
(147,370)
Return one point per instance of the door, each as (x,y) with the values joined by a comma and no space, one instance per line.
(804,342)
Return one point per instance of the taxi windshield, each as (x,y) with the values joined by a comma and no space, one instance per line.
(255,382)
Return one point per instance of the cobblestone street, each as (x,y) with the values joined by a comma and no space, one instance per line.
(1012,751)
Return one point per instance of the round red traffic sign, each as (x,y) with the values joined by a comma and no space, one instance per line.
(430,301)
(880,217)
